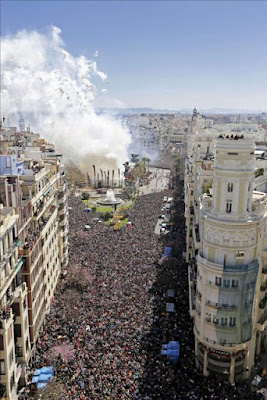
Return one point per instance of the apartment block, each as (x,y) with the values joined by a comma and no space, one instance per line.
(226,217)
(34,249)
(14,324)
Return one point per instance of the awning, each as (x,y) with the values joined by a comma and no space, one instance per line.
(47,191)
(21,262)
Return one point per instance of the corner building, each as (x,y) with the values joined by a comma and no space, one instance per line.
(229,264)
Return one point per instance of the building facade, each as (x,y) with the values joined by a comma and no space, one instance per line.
(226,252)
(33,250)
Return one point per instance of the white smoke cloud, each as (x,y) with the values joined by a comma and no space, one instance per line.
(55,92)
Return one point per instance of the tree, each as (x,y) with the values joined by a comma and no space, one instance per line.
(53,391)
(106,216)
(85,196)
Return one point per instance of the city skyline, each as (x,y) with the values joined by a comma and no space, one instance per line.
(165,55)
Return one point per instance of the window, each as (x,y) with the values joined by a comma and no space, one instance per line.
(234,283)
(2,367)
(232,321)
(228,206)
(8,162)
(230,186)
(218,281)
(240,254)
(226,283)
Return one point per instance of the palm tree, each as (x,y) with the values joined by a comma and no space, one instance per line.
(94,176)
(102,179)
(105,175)
(112,179)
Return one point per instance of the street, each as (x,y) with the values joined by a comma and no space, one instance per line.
(158,182)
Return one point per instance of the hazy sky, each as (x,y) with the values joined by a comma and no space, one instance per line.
(162,54)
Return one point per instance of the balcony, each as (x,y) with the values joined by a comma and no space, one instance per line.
(206,201)
(214,304)
(228,268)
(6,316)
(63,211)
(209,264)
(5,281)
(62,200)
(62,188)
(63,223)
(199,295)
(227,307)
(16,243)
(196,237)
(42,208)
(211,304)
(262,303)
(18,372)
(30,242)
(47,218)
(18,351)
(262,321)
(219,326)
(222,287)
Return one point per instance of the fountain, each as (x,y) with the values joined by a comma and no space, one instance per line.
(110,199)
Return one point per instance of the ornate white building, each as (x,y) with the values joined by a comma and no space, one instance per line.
(227,251)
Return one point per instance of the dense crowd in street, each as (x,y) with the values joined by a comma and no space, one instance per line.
(108,320)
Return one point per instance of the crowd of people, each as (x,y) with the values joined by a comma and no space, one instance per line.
(108,320)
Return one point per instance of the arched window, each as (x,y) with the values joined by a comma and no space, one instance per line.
(230,186)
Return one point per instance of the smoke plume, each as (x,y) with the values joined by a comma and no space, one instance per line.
(55,92)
